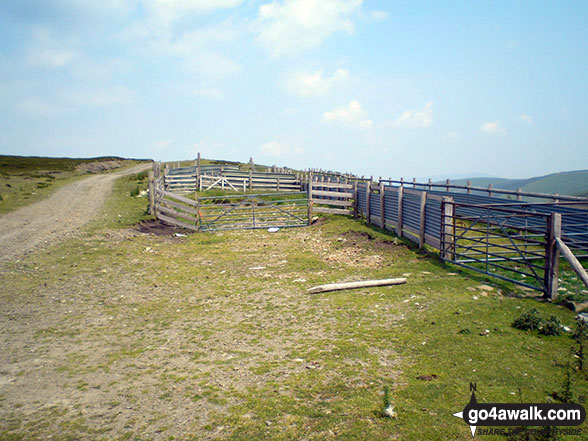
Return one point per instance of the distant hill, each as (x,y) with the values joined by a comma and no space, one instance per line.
(573,183)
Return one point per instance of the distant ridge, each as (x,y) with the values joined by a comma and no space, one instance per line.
(573,183)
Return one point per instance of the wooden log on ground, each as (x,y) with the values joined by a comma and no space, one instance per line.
(352,285)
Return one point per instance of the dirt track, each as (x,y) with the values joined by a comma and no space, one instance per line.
(52,219)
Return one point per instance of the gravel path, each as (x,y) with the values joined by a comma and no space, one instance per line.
(53,219)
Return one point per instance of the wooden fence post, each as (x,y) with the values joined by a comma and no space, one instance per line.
(355,204)
(519,196)
(490,193)
(469,187)
(151,194)
(368,190)
(447,184)
(198,166)
(382,212)
(422,219)
(278,181)
(447,213)
(250,179)
(430,184)
(552,255)
(310,201)
(399,223)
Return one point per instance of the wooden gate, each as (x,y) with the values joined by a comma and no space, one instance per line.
(280,210)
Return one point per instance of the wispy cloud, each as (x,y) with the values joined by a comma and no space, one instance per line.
(212,64)
(295,25)
(492,128)
(453,135)
(163,144)
(47,51)
(279,149)
(209,93)
(310,84)
(205,50)
(104,96)
(51,57)
(351,115)
(167,12)
(416,118)
(37,108)
(526,118)
(378,15)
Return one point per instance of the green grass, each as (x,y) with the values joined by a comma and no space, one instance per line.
(24,180)
(191,341)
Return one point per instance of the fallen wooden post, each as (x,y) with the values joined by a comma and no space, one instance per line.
(353,285)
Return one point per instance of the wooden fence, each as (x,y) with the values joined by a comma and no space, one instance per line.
(331,197)
(235,180)
(170,207)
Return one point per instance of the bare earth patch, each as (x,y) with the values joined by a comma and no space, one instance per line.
(140,336)
(52,219)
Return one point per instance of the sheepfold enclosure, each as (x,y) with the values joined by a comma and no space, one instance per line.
(517,241)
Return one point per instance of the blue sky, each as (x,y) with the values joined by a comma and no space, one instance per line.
(382,88)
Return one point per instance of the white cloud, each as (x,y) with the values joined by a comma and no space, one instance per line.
(350,115)
(203,50)
(209,93)
(99,70)
(51,57)
(309,84)
(36,108)
(45,51)
(280,149)
(416,118)
(163,144)
(453,135)
(291,111)
(492,128)
(167,12)
(526,118)
(212,64)
(378,15)
(294,25)
(200,39)
(101,97)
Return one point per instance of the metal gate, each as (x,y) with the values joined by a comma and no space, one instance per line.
(502,242)
(280,210)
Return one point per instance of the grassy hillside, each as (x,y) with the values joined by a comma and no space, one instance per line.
(569,183)
(24,180)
